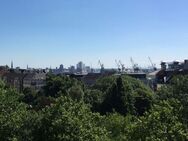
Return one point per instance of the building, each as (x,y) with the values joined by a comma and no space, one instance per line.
(80,68)
(3,70)
(14,80)
(170,69)
(61,68)
(88,69)
(72,69)
(21,79)
(175,65)
(34,81)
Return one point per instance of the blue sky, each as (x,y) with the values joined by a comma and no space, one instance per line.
(43,33)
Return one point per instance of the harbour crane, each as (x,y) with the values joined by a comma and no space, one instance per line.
(134,65)
(101,65)
(152,64)
(122,66)
(118,65)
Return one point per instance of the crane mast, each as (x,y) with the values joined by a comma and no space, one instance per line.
(152,64)
(101,65)
(122,66)
(134,65)
(118,65)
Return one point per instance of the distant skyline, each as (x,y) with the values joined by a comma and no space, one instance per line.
(44,33)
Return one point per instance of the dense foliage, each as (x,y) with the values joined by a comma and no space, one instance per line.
(115,108)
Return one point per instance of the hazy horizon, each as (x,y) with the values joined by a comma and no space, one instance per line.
(44,33)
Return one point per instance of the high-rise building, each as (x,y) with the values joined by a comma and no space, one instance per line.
(81,67)
(12,65)
(61,68)
(72,69)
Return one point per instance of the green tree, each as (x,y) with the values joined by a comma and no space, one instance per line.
(104,83)
(118,99)
(16,121)
(143,100)
(94,98)
(160,123)
(57,85)
(117,126)
(64,119)
(68,120)
(125,95)
(29,96)
(177,88)
(76,93)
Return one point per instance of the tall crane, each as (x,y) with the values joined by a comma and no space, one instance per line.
(118,65)
(152,64)
(101,65)
(134,65)
(122,66)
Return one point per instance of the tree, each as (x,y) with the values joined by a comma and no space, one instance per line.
(177,88)
(104,83)
(70,120)
(117,99)
(16,121)
(160,123)
(29,96)
(64,119)
(143,100)
(126,95)
(94,98)
(117,126)
(57,85)
(76,93)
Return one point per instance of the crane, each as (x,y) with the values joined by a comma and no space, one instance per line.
(134,65)
(122,66)
(101,65)
(118,65)
(152,64)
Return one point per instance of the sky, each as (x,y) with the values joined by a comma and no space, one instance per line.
(44,33)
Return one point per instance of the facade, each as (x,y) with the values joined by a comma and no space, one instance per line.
(22,79)
(3,70)
(80,67)
(59,70)
(34,81)
(72,69)
(88,69)
(175,65)
(170,69)
(61,67)
(14,80)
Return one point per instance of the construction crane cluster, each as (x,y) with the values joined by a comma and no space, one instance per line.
(135,67)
